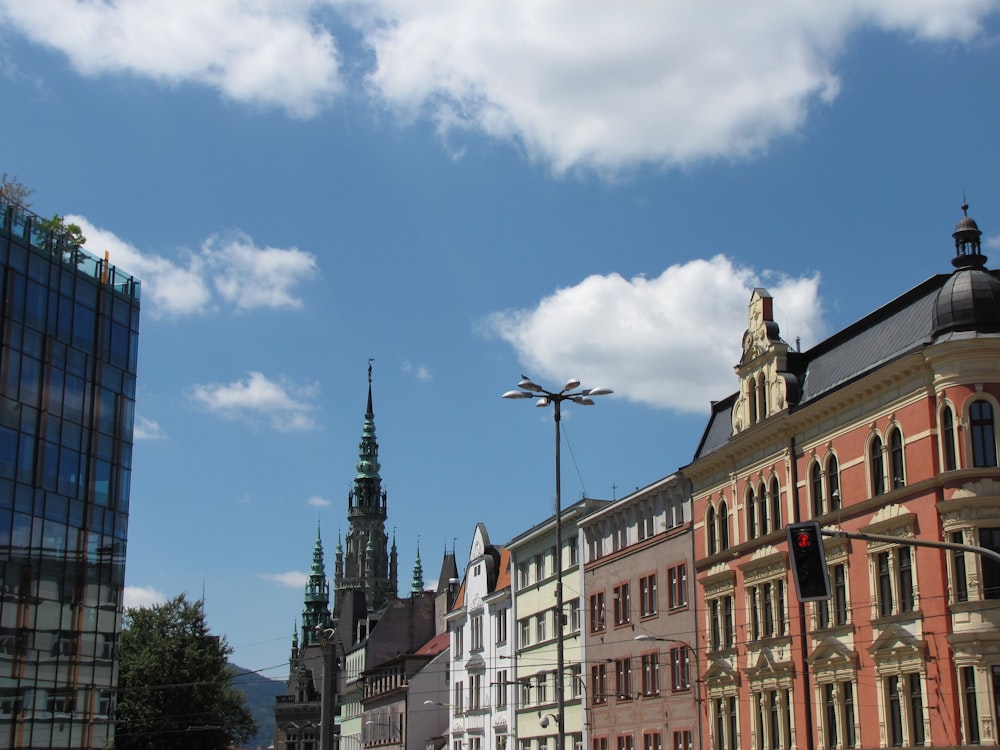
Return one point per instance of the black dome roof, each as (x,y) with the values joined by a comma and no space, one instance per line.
(970,299)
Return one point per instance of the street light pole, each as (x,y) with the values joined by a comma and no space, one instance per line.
(529,389)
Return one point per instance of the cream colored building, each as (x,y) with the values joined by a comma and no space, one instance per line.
(536,631)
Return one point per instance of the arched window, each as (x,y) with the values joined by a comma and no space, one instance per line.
(761,398)
(833,483)
(723,526)
(950,455)
(984,440)
(816,488)
(762,509)
(751,514)
(897,470)
(712,529)
(876,464)
(752,400)
(775,504)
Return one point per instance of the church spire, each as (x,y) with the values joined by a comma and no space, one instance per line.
(418,574)
(365,560)
(317,600)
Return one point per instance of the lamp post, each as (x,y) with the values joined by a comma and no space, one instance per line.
(529,389)
(697,672)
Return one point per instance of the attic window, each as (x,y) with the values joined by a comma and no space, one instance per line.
(475,570)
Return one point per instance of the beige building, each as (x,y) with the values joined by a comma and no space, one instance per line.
(639,621)
(534,581)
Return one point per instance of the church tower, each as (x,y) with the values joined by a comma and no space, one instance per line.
(316,613)
(363,561)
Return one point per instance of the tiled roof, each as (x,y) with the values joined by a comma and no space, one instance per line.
(503,579)
(435,645)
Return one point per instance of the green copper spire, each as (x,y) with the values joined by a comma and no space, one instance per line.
(317,601)
(367,481)
(418,575)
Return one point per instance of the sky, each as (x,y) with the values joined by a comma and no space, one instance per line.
(463,192)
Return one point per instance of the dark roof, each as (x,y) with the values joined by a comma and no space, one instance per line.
(904,325)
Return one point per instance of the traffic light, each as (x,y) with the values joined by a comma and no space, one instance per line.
(808,559)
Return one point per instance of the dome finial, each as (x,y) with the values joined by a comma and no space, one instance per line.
(968,252)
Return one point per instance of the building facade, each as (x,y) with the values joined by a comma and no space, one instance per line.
(69,326)
(482,651)
(535,617)
(639,622)
(888,427)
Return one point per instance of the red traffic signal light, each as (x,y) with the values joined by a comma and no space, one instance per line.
(808,560)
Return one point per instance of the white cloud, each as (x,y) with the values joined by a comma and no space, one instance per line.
(992,242)
(231,266)
(147,429)
(250,277)
(254,51)
(142,596)
(610,86)
(293,579)
(669,342)
(421,372)
(286,407)
(576,84)
(318,502)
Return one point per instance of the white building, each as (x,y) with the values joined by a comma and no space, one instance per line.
(482,651)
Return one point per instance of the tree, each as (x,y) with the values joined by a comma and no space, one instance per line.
(175,684)
(14,191)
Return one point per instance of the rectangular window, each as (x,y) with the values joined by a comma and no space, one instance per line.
(683,740)
(597,612)
(541,632)
(573,548)
(916,696)
(475,692)
(524,632)
(477,632)
(500,626)
(626,742)
(525,691)
(971,706)
(990,539)
(767,609)
(599,743)
(500,689)
(541,683)
(680,676)
(623,679)
(677,580)
(599,683)
(458,640)
(647,595)
(652,741)
(459,696)
(623,604)
(523,575)
(959,573)
(895,581)
(651,673)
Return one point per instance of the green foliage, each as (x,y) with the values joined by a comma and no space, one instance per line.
(72,233)
(175,684)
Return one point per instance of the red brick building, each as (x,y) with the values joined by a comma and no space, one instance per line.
(887,427)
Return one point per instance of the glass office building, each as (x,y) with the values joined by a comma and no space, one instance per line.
(69,327)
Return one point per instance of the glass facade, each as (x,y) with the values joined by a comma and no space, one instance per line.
(69,328)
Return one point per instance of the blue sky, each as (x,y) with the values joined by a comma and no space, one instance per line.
(465,191)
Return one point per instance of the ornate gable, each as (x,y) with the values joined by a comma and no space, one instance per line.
(766,386)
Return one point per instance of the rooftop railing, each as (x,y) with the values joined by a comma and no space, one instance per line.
(52,238)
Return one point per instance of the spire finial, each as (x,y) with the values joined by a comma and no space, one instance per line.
(370,360)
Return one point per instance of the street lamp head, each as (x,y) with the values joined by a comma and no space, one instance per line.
(529,385)
(517,394)
(583,400)
(544,401)
(597,391)
(570,385)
